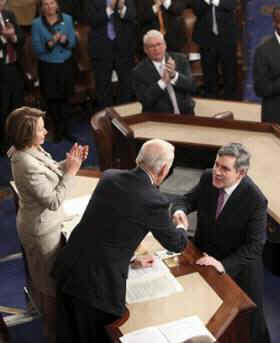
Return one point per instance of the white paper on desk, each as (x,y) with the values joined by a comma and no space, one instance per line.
(76,206)
(151,283)
(174,332)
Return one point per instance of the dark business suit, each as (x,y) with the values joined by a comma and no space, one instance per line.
(236,238)
(266,74)
(11,76)
(145,79)
(108,54)
(124,207)
(175,27)
(214,49)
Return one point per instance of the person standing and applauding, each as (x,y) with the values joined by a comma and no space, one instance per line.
(43,185)
(11,75)
(53,39)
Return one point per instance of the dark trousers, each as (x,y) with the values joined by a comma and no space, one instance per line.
(221,54)
(103,76)
(79,322)
(251,281)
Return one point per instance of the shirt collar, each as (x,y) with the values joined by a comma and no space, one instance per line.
(229,190)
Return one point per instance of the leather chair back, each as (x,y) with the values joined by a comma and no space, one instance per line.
(114,140)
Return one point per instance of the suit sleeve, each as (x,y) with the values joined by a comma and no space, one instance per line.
(254,241)
(189,201)
(18,31)
(162,228)
(146,92)
(48,195)
(185,80)
(263,83)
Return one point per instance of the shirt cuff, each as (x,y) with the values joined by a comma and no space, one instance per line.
(167,4)
(122,12)
(162,84)
(175,78)
(216,2)
(109,11)
(179,211)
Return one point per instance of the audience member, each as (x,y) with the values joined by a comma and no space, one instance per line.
(53,38)
(112,45)
(11,76)
(216,34)
(91,270)
(166,17)
(231,226)
(266,72)
(163,82)
(42,185)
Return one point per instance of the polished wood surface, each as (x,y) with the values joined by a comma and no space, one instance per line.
(261,139)
(230,323)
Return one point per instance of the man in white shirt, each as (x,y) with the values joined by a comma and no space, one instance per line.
(267,72)
(163,82)
(231,225)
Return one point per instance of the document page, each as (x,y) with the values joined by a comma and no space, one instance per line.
(151,283)
(174,332)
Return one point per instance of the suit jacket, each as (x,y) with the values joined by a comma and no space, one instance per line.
(176,35)
(42,33)
(42,187)
(238,235)
(124,207)
(266,74)
(100,46)
(145,84)
(8,15)
(202,33)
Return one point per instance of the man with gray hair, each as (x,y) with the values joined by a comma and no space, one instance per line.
(163,81)
(92,269)
(231,225)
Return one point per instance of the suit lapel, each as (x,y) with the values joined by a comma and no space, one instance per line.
(152,71)
(235,198)
(41,155)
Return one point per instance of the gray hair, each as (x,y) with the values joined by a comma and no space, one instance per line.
(154,154)
(152,34)
(238,151)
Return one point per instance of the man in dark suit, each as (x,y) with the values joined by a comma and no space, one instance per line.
(165,16)
(92,269)
(112,44)
(215,32)
(163,82)
(231,226)
(266,72)
(11,75)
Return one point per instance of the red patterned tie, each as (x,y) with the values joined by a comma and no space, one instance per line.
(220,202)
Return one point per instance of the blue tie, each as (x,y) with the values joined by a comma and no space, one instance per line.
(110,26)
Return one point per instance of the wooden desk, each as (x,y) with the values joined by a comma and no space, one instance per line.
(230,323)
(261,139)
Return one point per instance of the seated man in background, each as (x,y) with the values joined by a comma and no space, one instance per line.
(267,72)
(92,269)
(163,82)
(231,226)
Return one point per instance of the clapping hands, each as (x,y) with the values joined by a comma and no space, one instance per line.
(75,157)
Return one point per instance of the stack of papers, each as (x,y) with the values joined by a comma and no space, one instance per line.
(173,332)
(150,283)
